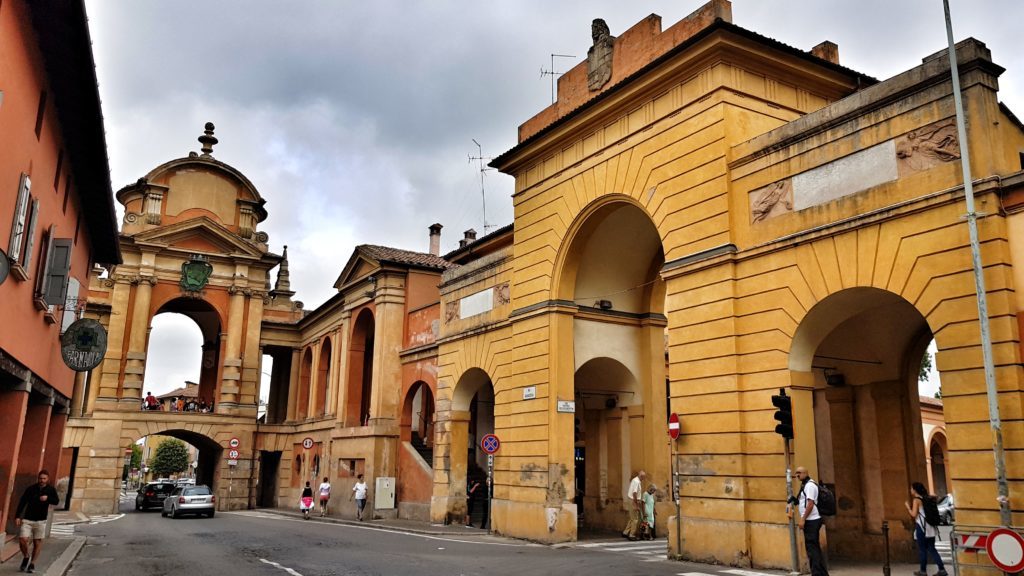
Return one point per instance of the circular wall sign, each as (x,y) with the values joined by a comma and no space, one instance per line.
(234,443)
(307,443)
(1006,550)
(83,345)
(673,425)
(5,266)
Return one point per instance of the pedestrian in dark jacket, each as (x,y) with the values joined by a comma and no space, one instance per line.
(33,508)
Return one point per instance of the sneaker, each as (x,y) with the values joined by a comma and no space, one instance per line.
(31,568)
(24,564)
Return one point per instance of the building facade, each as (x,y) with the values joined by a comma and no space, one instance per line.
(56,222)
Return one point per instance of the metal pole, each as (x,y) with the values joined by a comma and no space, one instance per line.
(794,556)
(886,568)
(675,490)
(490,490)
(979,284)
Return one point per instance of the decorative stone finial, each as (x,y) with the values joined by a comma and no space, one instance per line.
(207,140)
(599,57)
(283,285)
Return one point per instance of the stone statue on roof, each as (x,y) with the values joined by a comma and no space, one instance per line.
(599,57)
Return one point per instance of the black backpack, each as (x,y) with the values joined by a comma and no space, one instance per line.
(826,503)
(931,511)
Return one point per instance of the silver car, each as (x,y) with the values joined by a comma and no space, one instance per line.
(198,500)
(947,510)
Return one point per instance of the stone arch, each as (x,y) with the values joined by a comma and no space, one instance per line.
(210,453)
(855,358)
(609,269)
(305,378)
(323,378)
(210,321)
(360,369)
(417,421)
(592,235)
(938,466)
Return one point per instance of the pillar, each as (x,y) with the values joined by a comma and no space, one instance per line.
(135,365)
(389,320)
(293,385)
(231,377)
(33,443)
(52,454)
(13,409)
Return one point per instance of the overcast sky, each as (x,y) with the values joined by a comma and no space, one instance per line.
(355,119)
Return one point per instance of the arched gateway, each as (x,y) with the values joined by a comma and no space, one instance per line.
(190,246)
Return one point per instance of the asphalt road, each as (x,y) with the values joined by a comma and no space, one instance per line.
(262,543)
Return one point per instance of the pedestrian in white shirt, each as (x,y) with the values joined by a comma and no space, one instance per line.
(325,495)
(359,493)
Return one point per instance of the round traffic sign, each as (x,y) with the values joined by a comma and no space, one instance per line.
(490,443)
(673,425)
(233,454)
(1006,549)
(307,443)
(234,443)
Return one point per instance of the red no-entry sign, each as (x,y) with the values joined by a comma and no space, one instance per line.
(673,425)
(1006,550)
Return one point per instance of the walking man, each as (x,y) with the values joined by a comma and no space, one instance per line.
(30,518)
(809,520)
(636,505)
(359,493)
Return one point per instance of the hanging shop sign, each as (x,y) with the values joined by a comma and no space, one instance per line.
(83,345)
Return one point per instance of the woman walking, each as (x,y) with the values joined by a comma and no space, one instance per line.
(924,531)
(306,501)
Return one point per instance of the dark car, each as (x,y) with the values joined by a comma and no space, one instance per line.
(198,500)
(152,495)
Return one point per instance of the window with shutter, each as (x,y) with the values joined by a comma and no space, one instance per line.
(44,266)
(18,226)
(30,240)
(70,305)
(55,286)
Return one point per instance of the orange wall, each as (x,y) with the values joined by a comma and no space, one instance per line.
(422,304)
(26,335)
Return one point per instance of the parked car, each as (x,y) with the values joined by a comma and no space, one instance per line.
(152,495)
(196,500)
(946,509)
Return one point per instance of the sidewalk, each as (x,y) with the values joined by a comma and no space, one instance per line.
(54,560)
(411,526)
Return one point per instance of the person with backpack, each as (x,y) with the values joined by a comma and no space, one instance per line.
(809,520)
(924,511)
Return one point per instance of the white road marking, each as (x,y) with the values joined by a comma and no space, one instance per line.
(106,518)
(694,574)
(281,518)
(745,573)
(276,565)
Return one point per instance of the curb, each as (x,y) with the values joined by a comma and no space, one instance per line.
(63,562)
(372,526)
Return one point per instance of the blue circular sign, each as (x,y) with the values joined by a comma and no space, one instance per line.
(490,443)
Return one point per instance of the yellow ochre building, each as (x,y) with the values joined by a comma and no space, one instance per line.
(704,216)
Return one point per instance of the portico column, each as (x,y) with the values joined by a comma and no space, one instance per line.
(13,408)
(135,366)
(232,375)
(293,386)
(389,320)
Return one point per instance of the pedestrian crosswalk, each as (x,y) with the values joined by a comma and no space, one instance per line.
(62,531)
(945,551)
(647,551)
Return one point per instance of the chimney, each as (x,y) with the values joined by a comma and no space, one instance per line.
(470,236)
(435,239)
(827,51)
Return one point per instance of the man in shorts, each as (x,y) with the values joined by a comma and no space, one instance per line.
(30,518)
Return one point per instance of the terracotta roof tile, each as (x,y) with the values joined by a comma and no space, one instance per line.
(405,257)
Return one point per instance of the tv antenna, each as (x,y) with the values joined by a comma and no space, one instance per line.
(553,73)
(483,170)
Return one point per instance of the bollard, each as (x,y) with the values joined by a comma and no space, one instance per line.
(886,568)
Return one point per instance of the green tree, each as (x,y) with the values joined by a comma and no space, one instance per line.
(171,457)
(926,367)
(136,462)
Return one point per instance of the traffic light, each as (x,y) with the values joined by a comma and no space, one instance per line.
(784,414)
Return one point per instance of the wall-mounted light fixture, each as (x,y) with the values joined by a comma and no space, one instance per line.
(604,304)
(834,378)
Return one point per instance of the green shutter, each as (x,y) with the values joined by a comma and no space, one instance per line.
(56,284)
